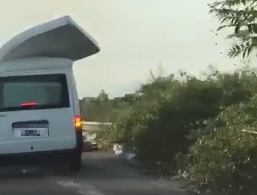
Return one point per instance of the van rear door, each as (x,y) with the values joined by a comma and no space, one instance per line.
(36,113)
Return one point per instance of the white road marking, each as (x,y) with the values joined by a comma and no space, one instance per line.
(68,184)
(84,189)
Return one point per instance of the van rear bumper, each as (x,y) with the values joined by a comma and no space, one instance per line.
(44,158)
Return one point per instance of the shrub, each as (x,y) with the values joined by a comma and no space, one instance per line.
(224,156)
(170,110)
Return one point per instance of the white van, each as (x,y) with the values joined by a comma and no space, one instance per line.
(40,119)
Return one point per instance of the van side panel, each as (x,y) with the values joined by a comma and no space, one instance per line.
(75,99)
(75,94)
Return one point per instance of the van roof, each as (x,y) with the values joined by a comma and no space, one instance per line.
(61,38)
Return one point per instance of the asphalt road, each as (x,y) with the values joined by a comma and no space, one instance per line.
(101,174)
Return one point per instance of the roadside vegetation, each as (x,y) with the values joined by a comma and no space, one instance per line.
(202,129)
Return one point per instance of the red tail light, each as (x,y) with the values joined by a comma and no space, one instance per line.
(77,122)
(28,104)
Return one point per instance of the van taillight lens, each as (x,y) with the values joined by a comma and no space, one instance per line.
(28,104)
(77,122)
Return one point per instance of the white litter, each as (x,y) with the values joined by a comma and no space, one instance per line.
(118,149)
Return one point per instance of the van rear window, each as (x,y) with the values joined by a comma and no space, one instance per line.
(46,91)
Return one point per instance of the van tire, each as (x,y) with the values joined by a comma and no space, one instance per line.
(75,163)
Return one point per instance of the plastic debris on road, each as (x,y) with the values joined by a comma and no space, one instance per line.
(118,149)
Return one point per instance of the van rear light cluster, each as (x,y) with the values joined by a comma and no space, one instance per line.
(77,122)
(28,104)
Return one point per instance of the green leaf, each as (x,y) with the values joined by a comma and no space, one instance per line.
(238,14)
(249,50)
(254,41)
(254,28)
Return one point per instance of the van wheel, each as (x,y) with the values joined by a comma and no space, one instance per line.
(75,163)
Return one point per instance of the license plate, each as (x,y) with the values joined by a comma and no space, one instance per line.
(39,132)
(31,129)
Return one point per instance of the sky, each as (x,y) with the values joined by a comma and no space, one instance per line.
(135,36)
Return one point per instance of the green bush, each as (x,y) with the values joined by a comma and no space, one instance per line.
(192,126)
(182,109)
(224,155)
